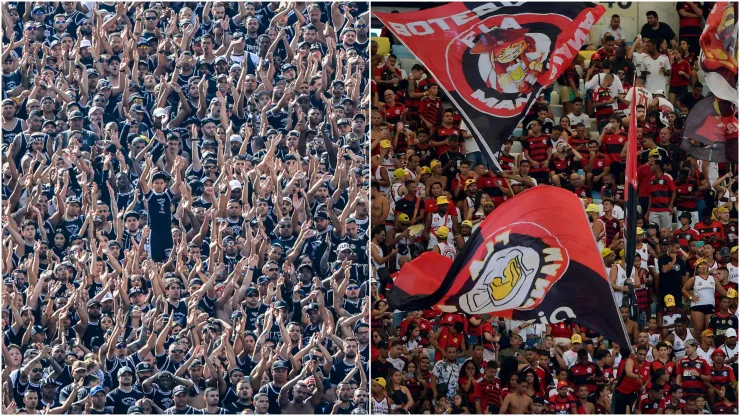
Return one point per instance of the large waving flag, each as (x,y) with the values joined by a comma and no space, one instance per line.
(718,55)
(630,186)
(536,259)
(494,59)
(711,130)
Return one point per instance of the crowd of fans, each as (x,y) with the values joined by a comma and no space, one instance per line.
(185,207)
(431,188)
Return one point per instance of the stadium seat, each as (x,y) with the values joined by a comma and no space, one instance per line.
(555,97)
(407,63)
(557,111)
(516,147)
(384,45)
(586,54)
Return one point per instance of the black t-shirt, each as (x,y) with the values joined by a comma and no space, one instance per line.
(663,32)
(119,401)
(671,282)
(272,392)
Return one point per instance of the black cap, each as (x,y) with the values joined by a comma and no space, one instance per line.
(321,214)
(76,114)
(281,304)
(144,366)
(161,175)
(685,214)
(92,302)
(252,291)
(665,241)
(280,364)
(37,329)
(179,390)
(135,410)
(131,214)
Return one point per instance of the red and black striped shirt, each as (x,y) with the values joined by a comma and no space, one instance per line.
(536,148)
(721,376)
(441,134)
(611,227)
(684,237)
(612,145)
(431,108)
(689,190)
(489,393)
(709,231)
(507,162)
(602,95)
(692,384)
(661,191)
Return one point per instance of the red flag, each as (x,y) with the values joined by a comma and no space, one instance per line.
(535,260)
(630,186)
(495,59)
(718,52)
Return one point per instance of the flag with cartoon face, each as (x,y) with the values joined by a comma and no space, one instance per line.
(535,260)
(494,60)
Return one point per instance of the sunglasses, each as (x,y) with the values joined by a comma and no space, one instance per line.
(121,346)
(353,287)
(361,26)
(60,22)
(177,351)
(36,370)
(209,167)
(285,226)
(151,18)
(273,269)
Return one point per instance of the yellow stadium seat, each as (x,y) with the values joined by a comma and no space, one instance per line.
(586,54)
(384,45)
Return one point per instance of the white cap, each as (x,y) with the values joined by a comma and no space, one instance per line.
(730,333)
(159,112)
(236,138)
(107,296)
(85,43)
(659,92)
(235,184)
(93,109)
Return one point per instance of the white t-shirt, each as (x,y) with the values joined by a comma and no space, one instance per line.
(654,80)
(644,97)
(617,34)
(638,59)
(470,144)
(583,118)
(615,89)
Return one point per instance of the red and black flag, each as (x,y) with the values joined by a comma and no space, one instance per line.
(535,260)
(711,130)
(630,187)
(494,59)
(718,54)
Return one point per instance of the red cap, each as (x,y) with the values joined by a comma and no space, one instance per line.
(562,383)
(596,57)
(718,351)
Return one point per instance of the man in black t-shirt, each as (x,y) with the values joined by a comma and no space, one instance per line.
(655,29)
(671,269)
(120,399)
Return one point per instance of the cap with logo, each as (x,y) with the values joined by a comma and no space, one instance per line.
(443,232)
(669,300)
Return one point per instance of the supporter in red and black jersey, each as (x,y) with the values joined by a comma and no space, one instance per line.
(537,149)
(685,234)
(415,92)
(506,160)
(727,402)
(662,196)
(563,403)
(580,141)
(585,372)
(687,193)
(674,400)
(650,402)
(439,139)
(393,111)
(488,390)
(430,107)
(721,374)
(387,76)
(692,371)
(690,17)
(710,229)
